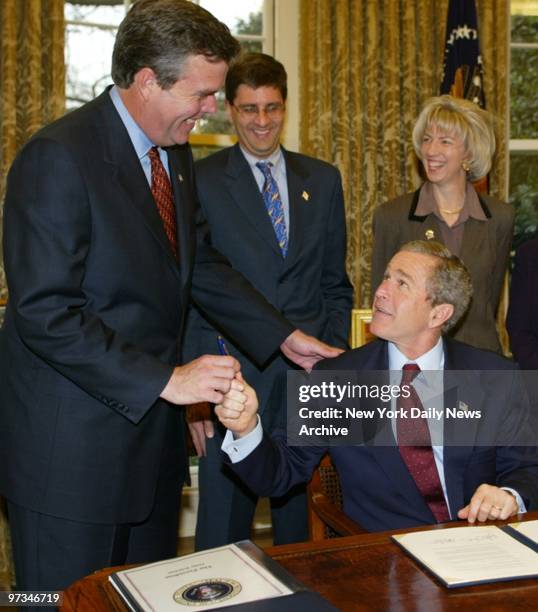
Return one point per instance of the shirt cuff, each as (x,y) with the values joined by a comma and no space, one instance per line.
(520,504)
(240,448)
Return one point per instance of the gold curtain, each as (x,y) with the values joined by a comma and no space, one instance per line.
(32,74)
(366,68)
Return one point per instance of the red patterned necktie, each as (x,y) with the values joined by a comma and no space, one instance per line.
(162,193)
(415,446)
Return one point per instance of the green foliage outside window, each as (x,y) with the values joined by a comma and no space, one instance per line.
(524,125)
(524,195)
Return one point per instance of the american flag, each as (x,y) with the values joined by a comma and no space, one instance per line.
(462,69)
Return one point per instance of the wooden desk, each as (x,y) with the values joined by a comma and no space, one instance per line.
(365,572)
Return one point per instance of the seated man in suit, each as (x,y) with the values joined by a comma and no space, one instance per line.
(425,290)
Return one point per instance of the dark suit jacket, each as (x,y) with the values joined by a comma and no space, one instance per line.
(379,493)
(95,318)
(522,320)
(484,251)
(310,286)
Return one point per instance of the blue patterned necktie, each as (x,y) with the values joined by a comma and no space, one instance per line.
(273,204)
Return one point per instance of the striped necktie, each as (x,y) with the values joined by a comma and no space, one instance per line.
(273,204)
(162,194)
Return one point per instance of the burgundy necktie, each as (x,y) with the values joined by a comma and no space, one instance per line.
(162,193)
(415,446)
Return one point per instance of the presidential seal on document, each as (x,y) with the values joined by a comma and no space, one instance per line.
(204,592)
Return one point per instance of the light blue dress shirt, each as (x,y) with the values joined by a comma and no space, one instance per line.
(141,143)
(279,174)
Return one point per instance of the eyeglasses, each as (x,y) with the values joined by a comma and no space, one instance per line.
(272,110)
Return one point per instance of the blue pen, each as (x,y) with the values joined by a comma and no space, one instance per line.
(223,349)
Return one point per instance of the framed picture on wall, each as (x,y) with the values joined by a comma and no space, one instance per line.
(360,327)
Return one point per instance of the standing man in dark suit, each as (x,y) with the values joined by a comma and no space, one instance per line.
(104,245)
(472,472)
(295,257)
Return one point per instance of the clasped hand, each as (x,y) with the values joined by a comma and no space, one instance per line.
(238,410)
(205,379)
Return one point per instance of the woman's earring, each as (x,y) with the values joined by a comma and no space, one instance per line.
(465,165)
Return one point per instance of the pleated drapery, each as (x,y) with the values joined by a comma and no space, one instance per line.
(366,67)
(32,73)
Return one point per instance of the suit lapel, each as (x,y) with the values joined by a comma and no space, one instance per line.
(245,193)
(128,173)
(474,244)
(424,227)
(301,200)
(180,176)
(462,391)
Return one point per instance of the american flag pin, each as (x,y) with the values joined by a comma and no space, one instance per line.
(180,177)
(305,196)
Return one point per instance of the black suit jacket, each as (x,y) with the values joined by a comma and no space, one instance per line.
(379,492)
(95,317)
(522,319)
(309,287)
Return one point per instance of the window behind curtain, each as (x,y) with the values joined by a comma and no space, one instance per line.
(524,118)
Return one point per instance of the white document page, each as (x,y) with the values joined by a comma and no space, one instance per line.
(463,555)
(528,529)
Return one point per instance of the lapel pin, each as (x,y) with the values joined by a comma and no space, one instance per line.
(305,196)
(430,234)
(180,177)
(463,406)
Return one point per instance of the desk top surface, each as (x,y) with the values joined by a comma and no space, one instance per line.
(365,572)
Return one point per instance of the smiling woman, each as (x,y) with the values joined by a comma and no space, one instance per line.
(454,140)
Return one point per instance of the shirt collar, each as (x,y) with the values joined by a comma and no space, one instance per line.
(427,205)
(276,158)
(141,142)
(434,359)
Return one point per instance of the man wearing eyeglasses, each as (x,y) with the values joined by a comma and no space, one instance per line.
(278,217)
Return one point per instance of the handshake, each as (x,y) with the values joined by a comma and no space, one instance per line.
(238,410)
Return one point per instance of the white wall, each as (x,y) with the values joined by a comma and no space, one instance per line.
(286,22)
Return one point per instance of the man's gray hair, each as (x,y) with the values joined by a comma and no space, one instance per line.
(449,282)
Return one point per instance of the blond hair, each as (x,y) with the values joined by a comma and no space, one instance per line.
(464,119)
